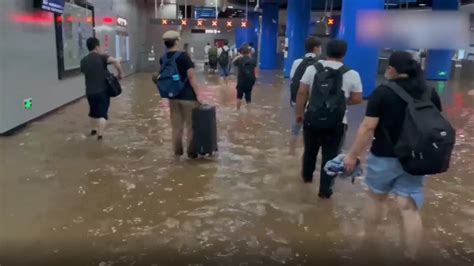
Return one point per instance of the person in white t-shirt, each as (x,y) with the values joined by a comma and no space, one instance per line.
(313,51)
(329,140)
(225,54)
(206,53)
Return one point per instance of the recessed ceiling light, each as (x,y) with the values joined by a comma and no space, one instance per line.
(422,4)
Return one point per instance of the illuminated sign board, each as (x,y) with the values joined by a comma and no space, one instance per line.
(202,23)
(122,22)
(331,22)
(55,6)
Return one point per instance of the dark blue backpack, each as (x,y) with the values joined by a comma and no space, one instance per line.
(169,82)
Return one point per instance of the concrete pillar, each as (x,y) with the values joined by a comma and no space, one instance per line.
(361,58)
(250,34)
(268,53)
(299,15)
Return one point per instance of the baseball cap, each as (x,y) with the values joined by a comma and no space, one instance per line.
(171,35)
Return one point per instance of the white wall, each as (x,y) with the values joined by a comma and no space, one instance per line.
(28,64)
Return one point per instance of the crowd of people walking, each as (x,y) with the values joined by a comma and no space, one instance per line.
(321,89)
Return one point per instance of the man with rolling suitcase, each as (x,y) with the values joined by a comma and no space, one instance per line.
(177,82)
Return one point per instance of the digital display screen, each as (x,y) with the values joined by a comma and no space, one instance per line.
(76,29)
(204,12)
(55,6)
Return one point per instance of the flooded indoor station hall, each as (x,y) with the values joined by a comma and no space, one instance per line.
(236,132)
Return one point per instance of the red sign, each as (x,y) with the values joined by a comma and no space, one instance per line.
(184,22)
(214,23)
(331,22)
(164,22)
(108,20)
(229,23)
(200,23)
(243,24)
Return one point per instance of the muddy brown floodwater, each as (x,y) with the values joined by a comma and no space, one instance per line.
(68,200)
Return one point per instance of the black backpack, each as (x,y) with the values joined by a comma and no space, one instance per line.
(427,139)
(247,71)
(327,105)
(298,75)
(224,58)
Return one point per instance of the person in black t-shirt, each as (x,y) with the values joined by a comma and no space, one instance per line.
(181,107)
(384,119)
(247,75)
(94,67)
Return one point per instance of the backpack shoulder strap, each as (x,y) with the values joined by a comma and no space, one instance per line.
(427,94)
(176,55)
(165,59)
(397,89)
(344,69)
(319,67)
(309,60)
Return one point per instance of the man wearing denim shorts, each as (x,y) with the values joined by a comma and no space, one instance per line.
(384,120)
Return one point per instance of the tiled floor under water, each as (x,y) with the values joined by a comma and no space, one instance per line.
(68,200)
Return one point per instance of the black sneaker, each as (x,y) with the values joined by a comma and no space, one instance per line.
(93,132)
(325,195)
(193,155)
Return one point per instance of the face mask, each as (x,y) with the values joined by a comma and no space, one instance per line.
(388,74)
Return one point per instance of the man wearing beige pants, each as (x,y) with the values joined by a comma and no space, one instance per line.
(182,116)
(181,106)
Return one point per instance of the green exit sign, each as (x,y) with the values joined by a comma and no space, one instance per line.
(28,104)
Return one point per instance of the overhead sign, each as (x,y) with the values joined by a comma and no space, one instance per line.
(56,6)
(122,22)
(202,23)
(331,22)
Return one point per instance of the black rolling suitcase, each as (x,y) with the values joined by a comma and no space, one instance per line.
(205,129)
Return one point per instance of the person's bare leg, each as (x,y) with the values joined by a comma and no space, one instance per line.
(373,213)
(239,104)
(102,124)
(94,125)
(248,106)
(385,211)
(412,224)
(293,141)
